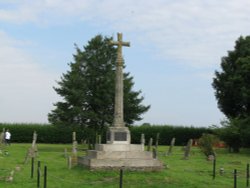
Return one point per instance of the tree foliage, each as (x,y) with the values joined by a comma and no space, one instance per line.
(232,84)
(207,142)
(232,91)
(88,89)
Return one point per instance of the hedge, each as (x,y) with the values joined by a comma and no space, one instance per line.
(167,132)
(23,133)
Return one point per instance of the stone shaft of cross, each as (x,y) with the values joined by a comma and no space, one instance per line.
(118,114)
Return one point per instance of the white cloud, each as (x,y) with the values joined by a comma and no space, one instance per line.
(26,90)
(194,31)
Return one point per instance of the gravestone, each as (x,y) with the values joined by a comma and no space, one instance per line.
(155,153)
(157,139)
(2,139)
(150,142)
(32,151)
(74,149)
(142,141)
(118,151)
(171,147)
(188,149)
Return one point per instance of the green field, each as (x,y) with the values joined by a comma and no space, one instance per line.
(193,173)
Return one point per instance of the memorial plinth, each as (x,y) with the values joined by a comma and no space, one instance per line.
(119,152)
(115,156)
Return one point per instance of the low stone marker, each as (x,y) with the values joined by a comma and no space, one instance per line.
(2,140)
(188,149)
(154,152)
(69,162)
(142,141)
(171,147)
(150,144)
(32,152)
(74,149)
(157,139)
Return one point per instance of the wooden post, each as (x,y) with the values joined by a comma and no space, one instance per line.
(235,178)
(247,175)
(45,177)
(32,167)
(214,167)
(121,177)
(38,174)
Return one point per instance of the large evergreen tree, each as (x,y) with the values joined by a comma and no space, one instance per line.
(232,84)
(88,89)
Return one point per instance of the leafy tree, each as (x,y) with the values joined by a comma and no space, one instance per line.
(88,90)
(232,90)
(231,134)
(232,84)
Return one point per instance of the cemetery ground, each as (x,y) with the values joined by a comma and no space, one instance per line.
(196,172)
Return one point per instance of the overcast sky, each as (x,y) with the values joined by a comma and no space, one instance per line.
(175,48)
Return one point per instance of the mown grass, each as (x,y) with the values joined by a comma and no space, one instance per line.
(193,173)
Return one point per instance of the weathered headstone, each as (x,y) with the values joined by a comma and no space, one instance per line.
(74,149)
(154,152)
(142,141)
(171,147)
(188,149)
(150,142)
(32,151)
(2,139)
(69,162)
(157,139)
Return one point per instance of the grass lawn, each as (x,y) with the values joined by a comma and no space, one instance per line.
(193,173)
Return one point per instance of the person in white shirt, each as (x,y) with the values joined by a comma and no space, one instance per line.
(7,137)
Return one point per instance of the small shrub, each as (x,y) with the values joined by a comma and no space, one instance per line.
(206,143)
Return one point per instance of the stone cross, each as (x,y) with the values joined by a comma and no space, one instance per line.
(118,114)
